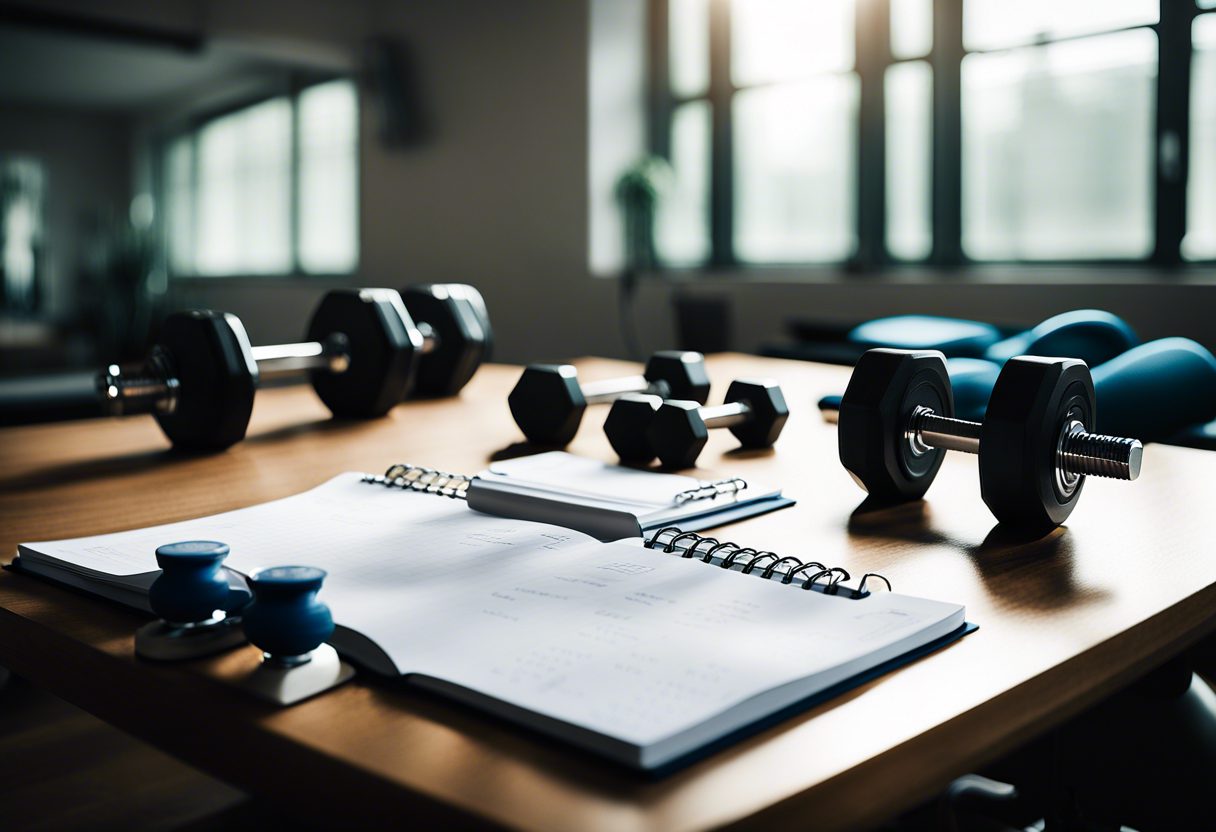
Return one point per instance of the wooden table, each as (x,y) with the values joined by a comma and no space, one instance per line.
(1064,620)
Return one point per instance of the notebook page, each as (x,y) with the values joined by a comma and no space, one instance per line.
(629,642)
(355,531)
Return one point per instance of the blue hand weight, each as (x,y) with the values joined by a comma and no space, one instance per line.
(1157,389)
(285,620)
(192,584)
(1091,335)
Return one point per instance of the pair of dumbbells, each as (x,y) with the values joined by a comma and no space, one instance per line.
(641,427)
(548,401)
(366,350)
(896,420)
(276,609)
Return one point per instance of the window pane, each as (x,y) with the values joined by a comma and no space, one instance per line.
(688,22)
(989,24)
(795,171)
(329,174)
(683,222)
(911,28)
(779,40)
(1058,149)
(179,205)
(244,192)
(1200,240)
(909,93)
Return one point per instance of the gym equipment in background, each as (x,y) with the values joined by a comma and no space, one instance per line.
(548,401)
(1092,335)
(363,353)
(642,427)
(456,337)
(1177,371)
(896,421)
(951,336)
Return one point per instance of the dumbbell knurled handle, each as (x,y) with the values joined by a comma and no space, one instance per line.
(1095,455)
(1080,453)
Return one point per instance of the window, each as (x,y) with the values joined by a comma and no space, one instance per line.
(866,132)
(268,189)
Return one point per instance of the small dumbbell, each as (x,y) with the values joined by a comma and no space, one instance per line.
(753,410)
(197,605)
(548,402)
(289,625)
(896,421)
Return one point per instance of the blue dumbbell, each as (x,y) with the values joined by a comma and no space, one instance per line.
(285,619)
(290,626)
(195,601)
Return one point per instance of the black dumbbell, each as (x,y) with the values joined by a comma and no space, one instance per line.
(364,352)
(454,326)
(199,380)
(754,410)
(896,422)
(548,402)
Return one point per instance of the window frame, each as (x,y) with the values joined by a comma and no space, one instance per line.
(190,128)
(872,57)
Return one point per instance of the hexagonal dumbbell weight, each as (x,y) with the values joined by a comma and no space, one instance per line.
(754,411)
(199,381)
(896,422)
(454,336)
(548,402)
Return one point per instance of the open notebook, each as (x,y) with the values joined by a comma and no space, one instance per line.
(638,654)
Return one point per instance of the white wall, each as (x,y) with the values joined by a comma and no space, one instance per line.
(498,196)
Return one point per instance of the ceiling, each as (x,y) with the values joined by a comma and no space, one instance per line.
(80,71)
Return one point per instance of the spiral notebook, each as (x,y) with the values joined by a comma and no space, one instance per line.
(606,501)
(650,652)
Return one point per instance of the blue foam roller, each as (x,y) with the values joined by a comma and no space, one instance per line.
(952,336)
(1156,389)
(1091,335)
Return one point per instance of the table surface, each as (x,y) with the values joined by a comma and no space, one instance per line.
(1064,619)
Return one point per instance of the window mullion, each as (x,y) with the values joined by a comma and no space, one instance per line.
(872,39)
(946,59)
(661,100)
(293,186)
(1173,129)
(722,192)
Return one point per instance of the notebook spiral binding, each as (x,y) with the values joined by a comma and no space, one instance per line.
(729,555)
(433,481)
(711,489)
(426,480)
